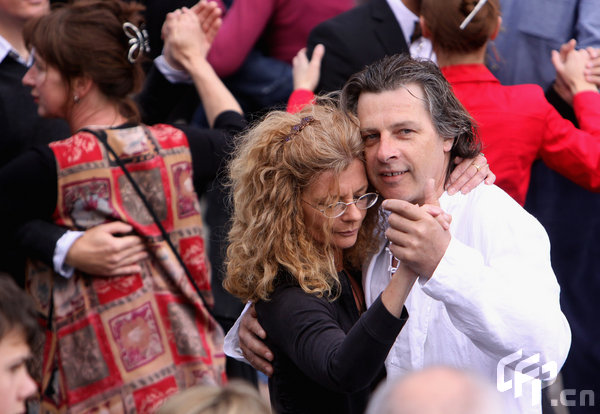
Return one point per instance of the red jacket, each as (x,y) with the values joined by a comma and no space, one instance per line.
(517,125)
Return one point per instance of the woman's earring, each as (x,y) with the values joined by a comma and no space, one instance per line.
(76,99)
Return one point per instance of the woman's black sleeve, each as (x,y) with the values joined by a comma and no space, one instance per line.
(211,148)
(28,188)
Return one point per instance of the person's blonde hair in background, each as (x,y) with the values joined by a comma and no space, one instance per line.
(236,397)
(436,390)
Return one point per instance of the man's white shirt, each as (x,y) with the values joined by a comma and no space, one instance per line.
(493,294)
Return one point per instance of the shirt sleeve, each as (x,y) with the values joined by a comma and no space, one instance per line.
(170,73)
(575,153)
(498,285)
(60,253)
(231,345)
(304,327)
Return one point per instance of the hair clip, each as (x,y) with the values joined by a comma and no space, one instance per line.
(295,130)
(471,15)
(138,41)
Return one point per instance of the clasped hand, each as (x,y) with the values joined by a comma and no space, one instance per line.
(419,235)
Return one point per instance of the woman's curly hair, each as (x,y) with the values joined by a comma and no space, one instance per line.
(271,168)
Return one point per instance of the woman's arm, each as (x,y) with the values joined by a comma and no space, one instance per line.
(306,329)
(187,44)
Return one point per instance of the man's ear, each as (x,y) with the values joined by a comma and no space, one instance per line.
(497,29)
(425,32)
(448,143)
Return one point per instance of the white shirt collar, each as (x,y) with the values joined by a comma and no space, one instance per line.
(6,49)
(422,48)
(406,19)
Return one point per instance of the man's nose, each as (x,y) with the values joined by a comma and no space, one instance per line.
(388,147)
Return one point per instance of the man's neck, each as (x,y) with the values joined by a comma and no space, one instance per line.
(12,31)
(413,5)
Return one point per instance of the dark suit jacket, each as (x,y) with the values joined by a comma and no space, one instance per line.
(22,128)
(354,39)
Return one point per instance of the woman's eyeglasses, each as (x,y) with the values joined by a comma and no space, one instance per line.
(337,209)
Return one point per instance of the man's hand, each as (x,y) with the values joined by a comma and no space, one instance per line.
(418,238)
(253,348)
(100,251)
(469,173)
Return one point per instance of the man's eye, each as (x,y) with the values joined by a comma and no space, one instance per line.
(370,136)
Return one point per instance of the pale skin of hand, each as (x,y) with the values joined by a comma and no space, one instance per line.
(571,69)
(102,251)
(466,176)
(189,33)
(251,336)
(306,73)
(591,71)
(187,43)
(592,68)
(576,70)
(417,239)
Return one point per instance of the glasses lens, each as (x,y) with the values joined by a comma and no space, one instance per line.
(366,201)
(335,210)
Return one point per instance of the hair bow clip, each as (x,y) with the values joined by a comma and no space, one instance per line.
(296,129)
(471,15)
(138,41)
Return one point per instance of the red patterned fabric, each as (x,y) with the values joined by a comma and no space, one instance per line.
(124,344)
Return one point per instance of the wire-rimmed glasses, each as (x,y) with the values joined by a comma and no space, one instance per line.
(337,209)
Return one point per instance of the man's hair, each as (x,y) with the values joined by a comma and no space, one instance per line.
(437,389)
(17,311)
(449,117)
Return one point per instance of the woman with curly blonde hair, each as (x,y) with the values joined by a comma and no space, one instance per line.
(302,226)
